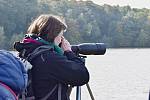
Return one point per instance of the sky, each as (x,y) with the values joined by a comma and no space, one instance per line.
(132,3)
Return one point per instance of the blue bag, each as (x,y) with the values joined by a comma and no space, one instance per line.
(6,93)
(12,72)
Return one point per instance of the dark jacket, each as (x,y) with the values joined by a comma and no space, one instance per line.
(51,69)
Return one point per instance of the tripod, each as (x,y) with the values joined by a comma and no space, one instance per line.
(78,88)
(78,92)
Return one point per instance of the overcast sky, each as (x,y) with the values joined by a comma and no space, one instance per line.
(132,3)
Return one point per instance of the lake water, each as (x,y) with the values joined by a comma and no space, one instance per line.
(120,74)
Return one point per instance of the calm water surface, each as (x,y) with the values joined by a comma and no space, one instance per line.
(120,74)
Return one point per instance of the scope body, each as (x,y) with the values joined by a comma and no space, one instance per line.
(89,48)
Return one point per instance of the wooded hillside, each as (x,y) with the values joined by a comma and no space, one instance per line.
(87,22)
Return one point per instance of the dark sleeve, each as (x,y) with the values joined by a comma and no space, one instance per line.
(67,68)
(71,56)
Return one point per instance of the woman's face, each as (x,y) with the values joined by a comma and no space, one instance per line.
(57,40)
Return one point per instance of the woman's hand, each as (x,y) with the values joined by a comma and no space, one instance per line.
(65,45)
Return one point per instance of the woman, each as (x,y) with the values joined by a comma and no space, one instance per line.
(55,66)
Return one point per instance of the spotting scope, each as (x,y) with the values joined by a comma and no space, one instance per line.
(89,48)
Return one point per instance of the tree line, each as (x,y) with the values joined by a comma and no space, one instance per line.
(117,27)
